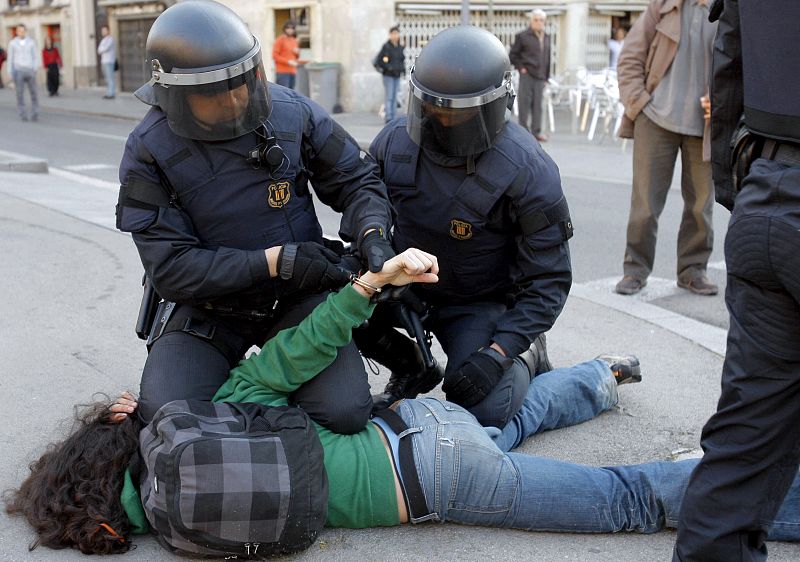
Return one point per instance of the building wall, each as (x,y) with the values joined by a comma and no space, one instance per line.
(349,32)
(76,21)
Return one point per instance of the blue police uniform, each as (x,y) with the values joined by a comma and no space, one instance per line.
(751,444)
(500,233)
(203,246)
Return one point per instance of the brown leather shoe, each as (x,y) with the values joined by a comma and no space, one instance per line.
(699,285)
(630,285)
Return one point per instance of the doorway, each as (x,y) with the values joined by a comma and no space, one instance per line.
(133,67)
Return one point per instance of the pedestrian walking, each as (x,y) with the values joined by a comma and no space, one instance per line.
(530,55)
(663,73)
(107,49)
(751,444)
(391,62)
(51,59)
(23,62)
(286,54)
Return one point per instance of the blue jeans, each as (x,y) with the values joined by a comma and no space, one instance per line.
(391,84)
(21,79)
(468,476)
(285,79)
(109,76)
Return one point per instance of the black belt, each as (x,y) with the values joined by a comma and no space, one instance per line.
(417,506)
(781,152)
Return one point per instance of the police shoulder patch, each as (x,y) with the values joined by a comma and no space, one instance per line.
(460,229)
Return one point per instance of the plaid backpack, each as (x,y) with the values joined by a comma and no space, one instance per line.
(233,480)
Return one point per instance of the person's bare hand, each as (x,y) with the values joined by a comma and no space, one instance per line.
(705,103)
(410,266)
(123,406)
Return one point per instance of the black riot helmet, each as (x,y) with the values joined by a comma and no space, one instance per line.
(207,74)
(460,92)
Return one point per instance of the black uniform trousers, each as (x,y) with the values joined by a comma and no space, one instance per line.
(461,329)
(752,442)
(183,366)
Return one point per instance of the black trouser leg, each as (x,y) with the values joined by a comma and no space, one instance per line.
(180,366)
(752,444)
(338,397)
(462,330)
(52,79)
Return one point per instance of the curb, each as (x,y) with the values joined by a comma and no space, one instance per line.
(13,162)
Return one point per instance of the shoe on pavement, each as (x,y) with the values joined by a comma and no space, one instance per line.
(34,117)
(23,117)
(625,368)
(699,285)
(630,285)
(542,138)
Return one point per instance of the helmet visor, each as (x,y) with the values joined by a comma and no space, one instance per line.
(452,131)
(219,110)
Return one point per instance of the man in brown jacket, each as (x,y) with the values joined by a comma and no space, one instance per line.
(663,73)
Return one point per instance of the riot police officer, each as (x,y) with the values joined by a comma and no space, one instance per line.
(215,191)
(479,192)
(751,444)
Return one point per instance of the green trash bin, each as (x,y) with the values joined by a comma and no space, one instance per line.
(323,84)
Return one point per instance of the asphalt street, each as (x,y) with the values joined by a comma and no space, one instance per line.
(72,286)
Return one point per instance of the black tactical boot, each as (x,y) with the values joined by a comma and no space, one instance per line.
(408,386)
(401,355)
(535,357)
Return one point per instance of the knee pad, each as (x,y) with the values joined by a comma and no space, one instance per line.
(505,400)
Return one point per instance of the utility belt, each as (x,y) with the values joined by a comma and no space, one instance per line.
(171,317)
(399,438)
(782,152)
(747,146)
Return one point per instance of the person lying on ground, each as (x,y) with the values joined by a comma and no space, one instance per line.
(80,493)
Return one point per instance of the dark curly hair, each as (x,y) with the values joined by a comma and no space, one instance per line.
(74,488)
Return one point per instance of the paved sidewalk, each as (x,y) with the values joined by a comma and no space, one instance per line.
(71,282)
(72,293)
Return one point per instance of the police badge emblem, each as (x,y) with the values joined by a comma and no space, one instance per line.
(279,194)
(460,230)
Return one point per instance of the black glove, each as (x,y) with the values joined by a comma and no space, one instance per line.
(310,267)
(374,249)
(476,377)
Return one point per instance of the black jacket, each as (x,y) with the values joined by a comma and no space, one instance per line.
(753,76)
(526,52)
(209,244)
(390,61)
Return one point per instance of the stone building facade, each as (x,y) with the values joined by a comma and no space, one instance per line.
(348,32)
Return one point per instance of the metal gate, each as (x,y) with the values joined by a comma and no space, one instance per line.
(417,26)
(132,64)
(598,34)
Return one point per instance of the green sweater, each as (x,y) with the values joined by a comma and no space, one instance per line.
(360,475)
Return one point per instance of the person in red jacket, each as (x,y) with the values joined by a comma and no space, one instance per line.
(286,53)
(51,59)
